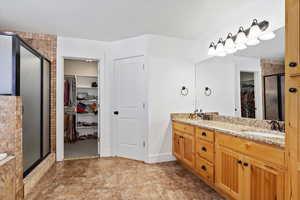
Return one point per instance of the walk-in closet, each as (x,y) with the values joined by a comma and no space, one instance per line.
(81,106)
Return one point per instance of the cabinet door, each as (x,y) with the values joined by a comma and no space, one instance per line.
(177,145)
(293,136)
(263,182)
(188,155)
(229,174)
(292,38)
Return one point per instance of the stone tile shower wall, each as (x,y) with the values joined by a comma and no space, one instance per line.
(11,136)
(46,45)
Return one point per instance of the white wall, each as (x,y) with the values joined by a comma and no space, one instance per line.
(166,77)
(88,49)
(169,70)
(219,75)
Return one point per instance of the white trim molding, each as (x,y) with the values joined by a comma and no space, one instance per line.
(159,158)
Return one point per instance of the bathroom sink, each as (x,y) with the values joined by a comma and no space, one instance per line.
(264,134)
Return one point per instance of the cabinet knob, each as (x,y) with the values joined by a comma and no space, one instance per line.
(246,164)
(239,161)
(116,112)
(293,64)
(293,90)
(204,149)
(203,168)
(203,134)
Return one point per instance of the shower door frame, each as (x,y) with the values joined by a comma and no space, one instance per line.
(17,42)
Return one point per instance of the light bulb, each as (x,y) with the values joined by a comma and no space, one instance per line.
(254,31)
(253,42)
(212,49)
(241,37)
(220,47)
(229,43)
(267,35)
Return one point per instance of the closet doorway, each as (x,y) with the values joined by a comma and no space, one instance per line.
(81,109)
(247,94)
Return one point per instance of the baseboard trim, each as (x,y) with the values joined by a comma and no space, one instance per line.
(158,158)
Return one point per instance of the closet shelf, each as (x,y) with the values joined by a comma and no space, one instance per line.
(87,127)
(86,87)
(86,114)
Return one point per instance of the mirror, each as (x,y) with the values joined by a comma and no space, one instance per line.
(248,83)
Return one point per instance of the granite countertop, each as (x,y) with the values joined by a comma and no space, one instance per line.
(237,130)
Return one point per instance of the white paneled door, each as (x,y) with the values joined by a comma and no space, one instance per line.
(130,108)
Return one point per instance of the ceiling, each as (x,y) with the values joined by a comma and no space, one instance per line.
(109,20)
(271,49)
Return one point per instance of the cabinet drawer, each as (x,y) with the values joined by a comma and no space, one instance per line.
(205,169)
(184,128)
(260,151)
(205,150)
(205,134)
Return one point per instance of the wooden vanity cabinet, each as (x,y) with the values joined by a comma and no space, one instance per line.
(243,172)
(177,145)
(229,172)
(188,154)
(239,168)
(184,143)
(263,181)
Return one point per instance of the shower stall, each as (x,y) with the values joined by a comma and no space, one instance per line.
(26,73)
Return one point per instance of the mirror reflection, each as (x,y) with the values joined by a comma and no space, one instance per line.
(250,82)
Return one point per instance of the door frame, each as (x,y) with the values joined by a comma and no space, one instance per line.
(60,107)
(145,133)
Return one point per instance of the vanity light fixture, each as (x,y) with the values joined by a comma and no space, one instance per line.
(259,31)
(220,49)
(212,49)
(241,37)
(230,46)
(254,31)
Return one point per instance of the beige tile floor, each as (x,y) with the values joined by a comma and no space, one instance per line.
(120,179)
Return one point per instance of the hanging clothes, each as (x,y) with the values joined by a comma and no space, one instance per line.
(69,91)
(66,92)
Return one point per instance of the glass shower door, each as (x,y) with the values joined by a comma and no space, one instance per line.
(30,91)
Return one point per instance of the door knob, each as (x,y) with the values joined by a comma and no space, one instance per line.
(293,90)
(116,112)
(293,64)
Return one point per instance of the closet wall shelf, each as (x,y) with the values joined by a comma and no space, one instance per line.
(87,127)
(86,87)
